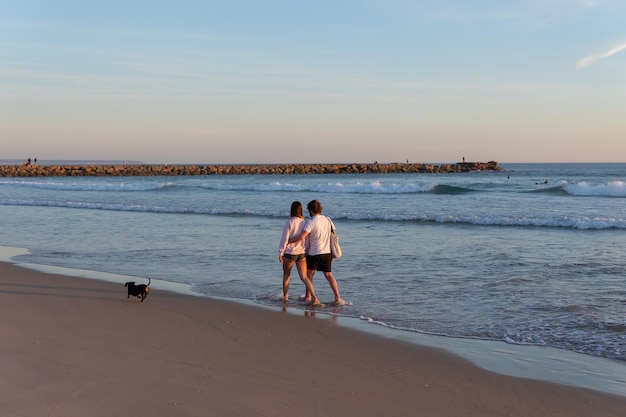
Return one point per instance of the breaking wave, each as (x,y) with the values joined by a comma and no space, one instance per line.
(89,186)
(572,222)
(610,189)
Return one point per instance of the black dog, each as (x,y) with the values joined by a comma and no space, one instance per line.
(139,291)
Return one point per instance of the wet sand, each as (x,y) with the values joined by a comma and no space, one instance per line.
(74,347)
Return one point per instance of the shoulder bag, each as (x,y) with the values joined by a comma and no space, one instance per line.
(335,249)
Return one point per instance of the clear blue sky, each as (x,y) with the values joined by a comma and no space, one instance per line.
(314,81)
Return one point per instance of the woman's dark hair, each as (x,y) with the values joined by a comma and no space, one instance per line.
(296,209)
(315,207)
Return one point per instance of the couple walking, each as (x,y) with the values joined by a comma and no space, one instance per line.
(306,243)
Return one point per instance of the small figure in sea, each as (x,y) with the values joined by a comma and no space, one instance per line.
(294,253)
(317,231)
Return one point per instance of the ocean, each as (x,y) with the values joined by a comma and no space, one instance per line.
(526,258)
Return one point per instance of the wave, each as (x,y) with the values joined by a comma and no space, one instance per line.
(556,190)
(452,190)
(571,222)
(610,189)
(374,187)
(90,186)
(616,189)
(585,189)
(127,208)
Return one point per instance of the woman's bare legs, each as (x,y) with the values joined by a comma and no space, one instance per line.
(287,265)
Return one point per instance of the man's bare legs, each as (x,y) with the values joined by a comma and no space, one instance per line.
(333,286)
(331,281)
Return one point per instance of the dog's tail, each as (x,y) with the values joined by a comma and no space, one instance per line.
(148,285)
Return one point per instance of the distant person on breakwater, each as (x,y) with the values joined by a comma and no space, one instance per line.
(317,231)
(294,253)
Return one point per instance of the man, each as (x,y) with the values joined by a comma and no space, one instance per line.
(317,234)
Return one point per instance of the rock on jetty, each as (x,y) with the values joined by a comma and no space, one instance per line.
(291,169)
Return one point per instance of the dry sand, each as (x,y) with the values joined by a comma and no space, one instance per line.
(78,347)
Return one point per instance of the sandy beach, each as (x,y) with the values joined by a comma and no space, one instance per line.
(78,347)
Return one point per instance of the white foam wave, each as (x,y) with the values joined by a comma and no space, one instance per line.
(374,187)
(610,189)
(122,207)
(573,222)
(88,186)
(580,222)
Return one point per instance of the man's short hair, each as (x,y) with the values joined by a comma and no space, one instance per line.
(315,207)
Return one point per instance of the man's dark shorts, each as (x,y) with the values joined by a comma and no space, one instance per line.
(321,262)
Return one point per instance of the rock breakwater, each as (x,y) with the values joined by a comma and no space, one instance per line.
(277,169)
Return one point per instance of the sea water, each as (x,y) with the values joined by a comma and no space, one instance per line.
(531,256)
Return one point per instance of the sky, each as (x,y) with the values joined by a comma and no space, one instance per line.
(313,82)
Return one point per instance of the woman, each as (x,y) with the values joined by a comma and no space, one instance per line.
(290,253)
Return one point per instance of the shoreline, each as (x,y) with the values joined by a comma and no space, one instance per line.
(241,169)
(541,363)
(75,347)
(503,360)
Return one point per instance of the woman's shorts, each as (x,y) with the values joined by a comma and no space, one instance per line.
(294,258)
(320,262)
